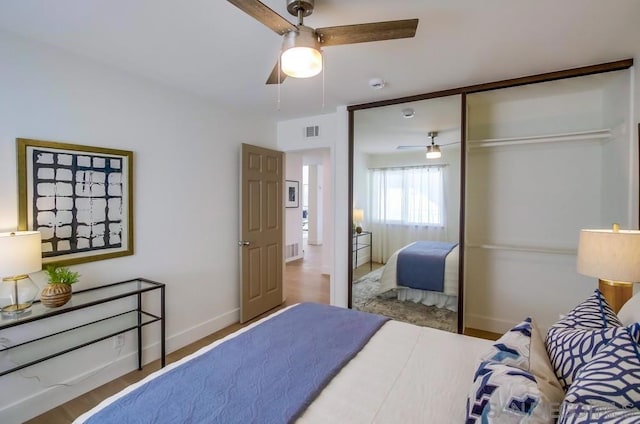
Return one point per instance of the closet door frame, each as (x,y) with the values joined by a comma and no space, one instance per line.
(463,92)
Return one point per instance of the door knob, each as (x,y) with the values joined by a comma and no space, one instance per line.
(243,243)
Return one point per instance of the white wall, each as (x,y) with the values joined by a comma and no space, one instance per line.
(293,216)
(185,200)
(315,205)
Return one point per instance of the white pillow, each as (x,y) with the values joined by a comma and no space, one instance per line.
(630,311)
(502,394)
(523,347)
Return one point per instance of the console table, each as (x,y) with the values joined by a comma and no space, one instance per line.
(365,244)
(91,330)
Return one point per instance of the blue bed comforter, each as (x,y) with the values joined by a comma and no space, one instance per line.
(421,265)
(269,374)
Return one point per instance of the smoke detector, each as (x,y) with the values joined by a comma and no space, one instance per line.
(408,113)
(377,83)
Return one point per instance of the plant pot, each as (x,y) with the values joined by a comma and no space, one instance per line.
(54,295)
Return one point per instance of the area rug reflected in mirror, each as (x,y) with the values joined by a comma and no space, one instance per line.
(366,298)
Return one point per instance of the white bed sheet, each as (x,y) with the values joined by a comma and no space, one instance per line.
(405,373)
(447,299)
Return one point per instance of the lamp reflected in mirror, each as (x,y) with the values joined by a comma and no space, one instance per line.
(358,217)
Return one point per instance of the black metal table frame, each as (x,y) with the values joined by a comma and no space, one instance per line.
(21,320)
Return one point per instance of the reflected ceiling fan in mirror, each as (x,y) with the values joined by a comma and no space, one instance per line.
(432,150)
(301,56)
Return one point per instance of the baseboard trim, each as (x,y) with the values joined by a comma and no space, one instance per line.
(51,397)
(493,325)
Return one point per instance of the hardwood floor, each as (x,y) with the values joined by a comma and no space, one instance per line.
(303,282)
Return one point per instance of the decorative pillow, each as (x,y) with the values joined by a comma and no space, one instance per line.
(504,394)
(594,313)
(522,347)
(630,311)
(579,413)
(572,341)
(612,377)
(570,348)
(514,347)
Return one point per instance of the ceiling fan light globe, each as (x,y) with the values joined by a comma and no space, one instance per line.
(301,62)
(433,152)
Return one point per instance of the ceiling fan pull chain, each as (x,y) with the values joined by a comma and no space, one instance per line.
(324,67)
(279,68)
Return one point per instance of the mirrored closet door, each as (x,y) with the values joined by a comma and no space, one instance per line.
(406,206)
(543,161)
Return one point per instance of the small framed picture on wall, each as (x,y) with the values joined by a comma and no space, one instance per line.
(292,192)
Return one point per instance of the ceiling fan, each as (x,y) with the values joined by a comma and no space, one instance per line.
(308,41)
(432,150)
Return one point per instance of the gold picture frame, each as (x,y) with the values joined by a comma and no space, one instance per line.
(79,197)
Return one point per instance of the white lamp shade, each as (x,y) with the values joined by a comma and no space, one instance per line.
(301,62)
(301,56)
(358,215)
(20,253)
(610,255)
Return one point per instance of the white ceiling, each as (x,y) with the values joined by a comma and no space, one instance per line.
(211,48)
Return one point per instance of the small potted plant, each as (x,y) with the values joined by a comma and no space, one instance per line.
(58,291)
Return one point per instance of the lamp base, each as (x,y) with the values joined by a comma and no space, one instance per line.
(616,292)
(16,309)
(20,291)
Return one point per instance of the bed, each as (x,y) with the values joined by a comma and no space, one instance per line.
(403,373)
(356,367)
(447,298)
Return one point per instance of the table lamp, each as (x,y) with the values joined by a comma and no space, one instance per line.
(20,254)
(358,217)
(612,256)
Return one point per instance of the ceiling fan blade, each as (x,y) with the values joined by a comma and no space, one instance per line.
(362,33)
(273,78)
(410,147)
(424,146)
(264,15)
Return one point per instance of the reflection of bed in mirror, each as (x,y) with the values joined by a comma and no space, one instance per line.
(447,298)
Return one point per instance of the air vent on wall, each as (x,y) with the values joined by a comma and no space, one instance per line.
(312,131)
(291,251)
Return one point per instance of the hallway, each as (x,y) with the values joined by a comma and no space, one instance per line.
(303,278)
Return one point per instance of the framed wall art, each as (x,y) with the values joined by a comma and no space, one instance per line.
(292,190)
(80,198)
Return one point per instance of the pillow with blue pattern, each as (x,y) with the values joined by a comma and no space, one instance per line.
(514,347)
(594,313)
(523,347)
(572,341)
(611,379)
(504,394)
(580,413)
(570,348)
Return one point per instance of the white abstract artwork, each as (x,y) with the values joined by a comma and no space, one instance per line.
(78,200)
